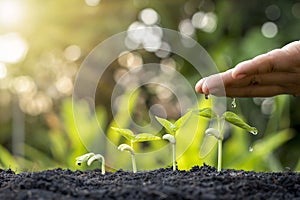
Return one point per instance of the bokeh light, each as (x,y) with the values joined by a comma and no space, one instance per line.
(23,85)
(206,22)
(72,53)
(186,27)
(35,104)
(13,48)
(273,12)
(149,16)
(130,59)
(269,29)
(64,85)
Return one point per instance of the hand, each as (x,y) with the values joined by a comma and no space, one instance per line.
(270,74)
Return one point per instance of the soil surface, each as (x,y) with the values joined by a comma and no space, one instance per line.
(199,183)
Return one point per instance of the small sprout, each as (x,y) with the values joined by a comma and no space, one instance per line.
(214,132)
(90,158)
(172,140)
(172,130)
(83,158)
(123,147)
(133,138)
(228,116)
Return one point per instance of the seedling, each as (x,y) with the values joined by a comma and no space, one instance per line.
(133,138)
(172,129)
(90,158)
(172,140)
(218,133)
(123,147)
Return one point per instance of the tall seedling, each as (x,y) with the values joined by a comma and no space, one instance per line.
(218,132)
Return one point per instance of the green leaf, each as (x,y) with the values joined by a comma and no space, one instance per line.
(128,134)
(237,121)
(143,137)
(169,126)
(182,120)
(206,112)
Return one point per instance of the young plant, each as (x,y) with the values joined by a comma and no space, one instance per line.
(172,129)
(133,138)
(218,133)
(90,158)
(123,147)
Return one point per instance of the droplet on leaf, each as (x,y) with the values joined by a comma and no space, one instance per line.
(233,103)
(250,148)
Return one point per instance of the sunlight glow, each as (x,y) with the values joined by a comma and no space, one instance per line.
(13,48)
(3,71)
(11,12)
(92,2)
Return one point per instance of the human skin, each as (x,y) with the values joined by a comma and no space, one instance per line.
(273,73)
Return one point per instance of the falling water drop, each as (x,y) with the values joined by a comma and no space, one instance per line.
(206,96)
(254,132)
(250,149)
(233,103)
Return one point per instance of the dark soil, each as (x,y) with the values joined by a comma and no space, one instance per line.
(198,183)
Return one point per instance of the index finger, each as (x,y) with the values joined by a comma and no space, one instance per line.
(274,61)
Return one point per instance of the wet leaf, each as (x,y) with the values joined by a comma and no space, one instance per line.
(128,134)
(206,112)
(143,137)
(182,120)
(169,126)
(237,121)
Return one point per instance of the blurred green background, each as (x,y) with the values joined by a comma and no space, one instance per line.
(43,43)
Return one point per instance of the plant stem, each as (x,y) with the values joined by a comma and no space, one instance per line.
(174,156)
(219,155)
(133,163)
(103,167)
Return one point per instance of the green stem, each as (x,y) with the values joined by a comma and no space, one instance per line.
(133,163)
(174,156)
(219,155)
(103,167)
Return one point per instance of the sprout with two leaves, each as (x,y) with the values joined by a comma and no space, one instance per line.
(133,138)
(90,158)
(172,130)
(218,133)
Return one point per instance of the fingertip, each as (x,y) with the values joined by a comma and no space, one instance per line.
(205,89)
(198,86)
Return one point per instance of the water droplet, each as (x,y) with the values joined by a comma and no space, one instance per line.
(250,149)
(233,103)
(206,96)
(253,132)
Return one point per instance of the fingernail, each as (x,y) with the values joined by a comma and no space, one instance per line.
(239,76)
